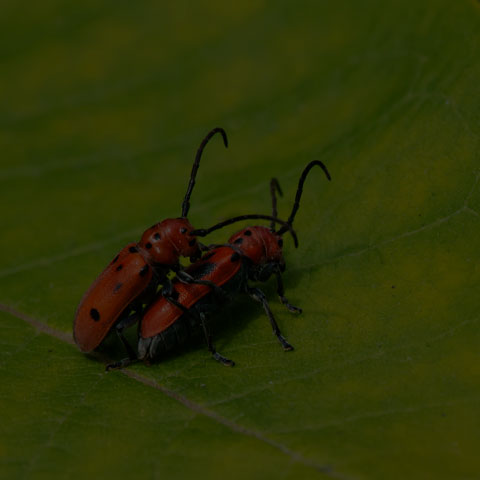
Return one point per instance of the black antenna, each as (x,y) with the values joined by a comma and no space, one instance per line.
(196,164)
(298,196)
(274,185)
(202,232)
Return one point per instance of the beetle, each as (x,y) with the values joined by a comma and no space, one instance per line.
(252,254)
(132,278)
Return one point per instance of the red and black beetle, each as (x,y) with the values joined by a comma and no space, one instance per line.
(133,276)
(252,254)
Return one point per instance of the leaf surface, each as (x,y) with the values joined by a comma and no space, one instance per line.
(103,108)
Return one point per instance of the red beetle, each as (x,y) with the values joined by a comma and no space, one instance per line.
(133,276)
(252,254)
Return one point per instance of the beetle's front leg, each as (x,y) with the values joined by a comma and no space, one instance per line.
(259,296)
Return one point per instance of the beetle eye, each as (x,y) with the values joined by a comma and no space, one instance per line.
(183,230)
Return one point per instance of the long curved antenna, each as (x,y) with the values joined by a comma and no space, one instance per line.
(196,164)
(202,232)
(274,185)
(298,196)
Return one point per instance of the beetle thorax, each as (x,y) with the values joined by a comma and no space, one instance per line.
(169,240)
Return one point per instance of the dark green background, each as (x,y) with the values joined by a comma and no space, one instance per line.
(102,106)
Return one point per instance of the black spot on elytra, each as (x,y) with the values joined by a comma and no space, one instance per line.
(118,286)
(119,267)
(148,245)
(247,233)
(157,236)
(238,241)
(183,230)
(133,249)
(280,243)
(191,243)
(235,257)
(115,259)
(144,271)
(95,314)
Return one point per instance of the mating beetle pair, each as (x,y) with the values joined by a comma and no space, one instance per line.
(117,298)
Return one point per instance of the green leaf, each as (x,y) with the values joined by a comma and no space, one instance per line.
(103,107)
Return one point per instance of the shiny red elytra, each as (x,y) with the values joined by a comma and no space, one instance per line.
(133,276)
(252,254)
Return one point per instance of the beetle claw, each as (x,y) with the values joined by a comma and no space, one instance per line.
(121,364)
(223,360)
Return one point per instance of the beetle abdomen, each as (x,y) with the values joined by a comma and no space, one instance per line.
(172,337)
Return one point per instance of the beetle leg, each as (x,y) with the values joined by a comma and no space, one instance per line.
(167,288)
(280,292)
(121,364)
(124,323)
(211,348)
(259,296)
(147,295)
(173,301)
(203,248)
(185,277)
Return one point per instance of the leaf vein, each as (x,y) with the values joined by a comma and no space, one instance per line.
(193,406)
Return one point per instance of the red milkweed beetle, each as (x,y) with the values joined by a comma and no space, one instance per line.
(133,276)
(252,254)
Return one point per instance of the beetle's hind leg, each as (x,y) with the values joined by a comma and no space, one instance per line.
(125,322)
(281,294)
(121,364)
(219,358)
